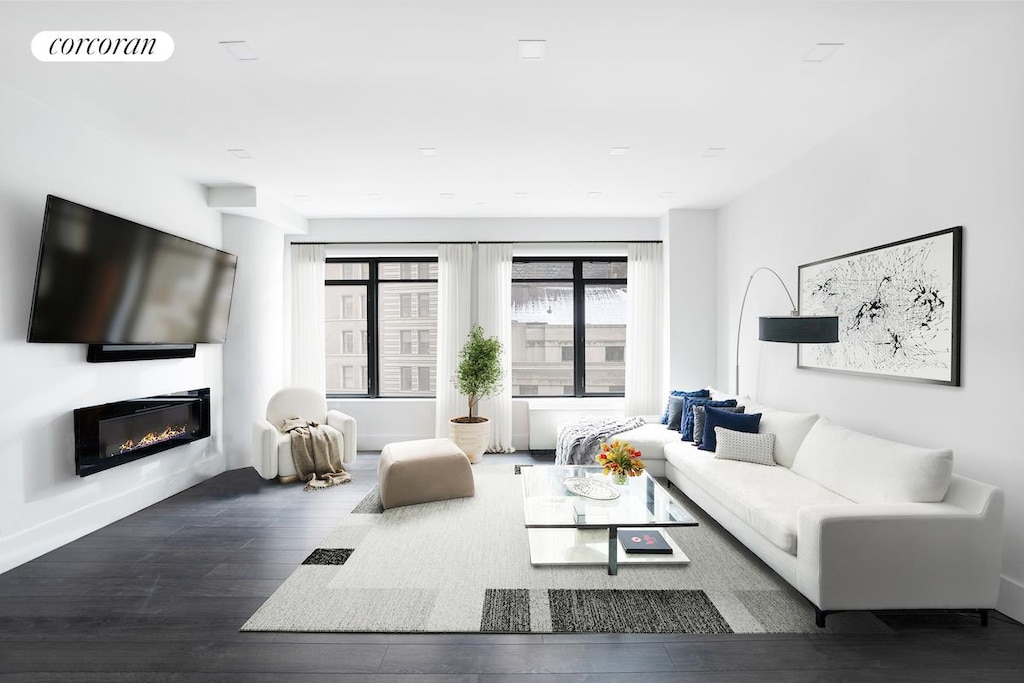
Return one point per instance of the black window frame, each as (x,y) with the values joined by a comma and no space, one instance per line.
(579,283)
(373,342)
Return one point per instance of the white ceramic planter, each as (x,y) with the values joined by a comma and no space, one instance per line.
(471,437)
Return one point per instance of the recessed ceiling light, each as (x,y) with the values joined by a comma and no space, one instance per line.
(520,195)
(240,153)
(712,152)
(594,195)
(447,195)
(239,49)
(667,195)
(428,151)
(373,195)
(480,203)
(532,50)
(822,51)
(619,151)
(301,197)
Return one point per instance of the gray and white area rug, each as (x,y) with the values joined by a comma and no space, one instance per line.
(464,566)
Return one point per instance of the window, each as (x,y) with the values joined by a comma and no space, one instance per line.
(568,326)
(381,315)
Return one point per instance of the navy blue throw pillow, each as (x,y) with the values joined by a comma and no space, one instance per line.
(699,392)
(737,422)
(686,428)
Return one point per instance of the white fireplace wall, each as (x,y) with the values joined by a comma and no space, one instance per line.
(42,503)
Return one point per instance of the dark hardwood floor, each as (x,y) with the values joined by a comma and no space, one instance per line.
(160,595)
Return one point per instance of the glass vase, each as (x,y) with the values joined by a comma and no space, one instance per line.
(621,478)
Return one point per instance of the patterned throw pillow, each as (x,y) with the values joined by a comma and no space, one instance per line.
(698,420)
(745,447)
(719,418)
(699,392)
(686,428)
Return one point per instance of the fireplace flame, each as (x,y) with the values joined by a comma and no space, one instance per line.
(151,438)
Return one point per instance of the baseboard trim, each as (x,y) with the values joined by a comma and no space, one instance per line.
(1011,598)
(28,544)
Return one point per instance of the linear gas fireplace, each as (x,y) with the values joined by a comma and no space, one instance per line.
(115,433)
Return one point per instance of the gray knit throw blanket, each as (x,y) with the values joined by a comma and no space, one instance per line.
(579,442)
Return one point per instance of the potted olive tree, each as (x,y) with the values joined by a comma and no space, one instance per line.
(478,376)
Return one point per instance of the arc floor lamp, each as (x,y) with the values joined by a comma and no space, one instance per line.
(792,329)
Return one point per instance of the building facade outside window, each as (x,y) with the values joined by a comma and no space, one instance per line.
(568,326)
(390,307)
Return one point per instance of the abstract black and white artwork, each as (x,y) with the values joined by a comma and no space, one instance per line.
(898,307)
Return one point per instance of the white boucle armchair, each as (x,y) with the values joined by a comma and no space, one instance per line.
(272,449)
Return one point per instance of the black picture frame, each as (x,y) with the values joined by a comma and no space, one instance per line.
(899,308)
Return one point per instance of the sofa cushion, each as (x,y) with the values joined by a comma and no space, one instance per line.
(767,499)
(686,428)
(678,392)
(789,429)
(649,439)
(699,417)
(675,412)
(868,469)
(752,448)
(719,418)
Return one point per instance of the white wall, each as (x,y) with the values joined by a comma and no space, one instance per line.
(42,503)
(254,351)
(951,152)
(690,245)
(479,229)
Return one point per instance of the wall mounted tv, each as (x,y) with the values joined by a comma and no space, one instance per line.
(105,280)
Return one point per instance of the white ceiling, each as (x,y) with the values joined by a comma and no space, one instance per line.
(344,92)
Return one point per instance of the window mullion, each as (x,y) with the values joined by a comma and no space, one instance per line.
(372,296)
(579,328)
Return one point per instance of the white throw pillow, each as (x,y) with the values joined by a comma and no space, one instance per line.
(744,446)
(790,430)
(867,469)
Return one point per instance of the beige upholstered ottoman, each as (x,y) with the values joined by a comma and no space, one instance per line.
(411,472)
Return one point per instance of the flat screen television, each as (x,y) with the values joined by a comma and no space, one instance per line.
(102,279)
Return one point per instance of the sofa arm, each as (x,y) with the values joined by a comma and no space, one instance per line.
(346,424)
(264,448)
(901,555)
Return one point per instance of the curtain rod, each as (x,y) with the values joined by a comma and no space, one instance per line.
(498,242)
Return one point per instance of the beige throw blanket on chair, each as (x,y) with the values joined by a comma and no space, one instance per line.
(315,454)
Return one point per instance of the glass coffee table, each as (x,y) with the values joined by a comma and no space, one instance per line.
(569,528)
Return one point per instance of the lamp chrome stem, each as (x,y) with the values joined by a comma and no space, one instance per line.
(739,326)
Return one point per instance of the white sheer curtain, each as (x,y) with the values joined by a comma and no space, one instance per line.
(308,361)
(494,313)
(454,292)
(644,334)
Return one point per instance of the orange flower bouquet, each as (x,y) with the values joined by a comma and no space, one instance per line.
(621,459)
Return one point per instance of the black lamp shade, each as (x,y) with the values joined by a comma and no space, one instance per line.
(799,329)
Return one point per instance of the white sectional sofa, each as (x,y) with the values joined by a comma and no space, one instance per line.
(852,521)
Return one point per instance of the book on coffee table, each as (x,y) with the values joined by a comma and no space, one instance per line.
(643,541)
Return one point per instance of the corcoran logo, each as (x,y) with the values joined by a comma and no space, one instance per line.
(102,46)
